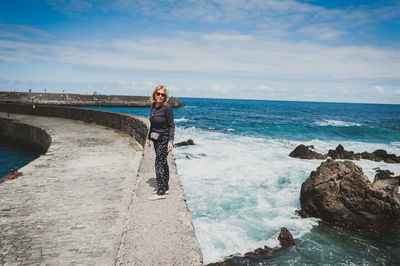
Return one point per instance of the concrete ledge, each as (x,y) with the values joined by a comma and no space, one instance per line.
(27,135)
(134,126)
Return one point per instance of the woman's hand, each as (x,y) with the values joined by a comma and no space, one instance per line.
(148,144)
(170,146)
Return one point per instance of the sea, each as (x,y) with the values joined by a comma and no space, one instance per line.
(242,187)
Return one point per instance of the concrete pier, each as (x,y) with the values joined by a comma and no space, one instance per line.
(85,202)
(69,99)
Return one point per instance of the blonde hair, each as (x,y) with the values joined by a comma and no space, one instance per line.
(159,87)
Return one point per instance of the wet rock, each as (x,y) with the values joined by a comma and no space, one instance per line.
(383,174)
(184,143)
(380,155)
(285,238)
(259,252)
(341,153)
(305,152)
(385,180)
(340,194)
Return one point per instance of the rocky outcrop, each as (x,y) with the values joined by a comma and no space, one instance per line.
(386,180)
(341,153)
(184,143)
(384,174)
(340,194)
(380,155)
(306,152)
(285,239)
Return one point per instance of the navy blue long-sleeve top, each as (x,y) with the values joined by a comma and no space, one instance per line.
(162,121)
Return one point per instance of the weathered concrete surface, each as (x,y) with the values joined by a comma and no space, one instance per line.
(71,204)
(159,232)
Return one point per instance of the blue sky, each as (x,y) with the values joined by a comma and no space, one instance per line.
(310,50)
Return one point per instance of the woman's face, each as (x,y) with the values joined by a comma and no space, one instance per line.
(160,96)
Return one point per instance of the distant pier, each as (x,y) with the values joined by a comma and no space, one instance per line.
(68,99)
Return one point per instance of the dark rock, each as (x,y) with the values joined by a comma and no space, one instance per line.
(340,194)
(367,155)
(380,155)
(286,238)
(383,174)
(305,152)
(341,153)
(259,252)
(184,143)
(302,213)
(385,180)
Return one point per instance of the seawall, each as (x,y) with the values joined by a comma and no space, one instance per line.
(134,126)
(26,135)
(68,99)
(85,200)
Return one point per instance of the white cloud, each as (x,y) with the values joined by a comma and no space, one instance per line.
(264,88)
(322,32)
(258,58)
(344,90)
(227,37)
(221,88)
(380,89)
(397,91)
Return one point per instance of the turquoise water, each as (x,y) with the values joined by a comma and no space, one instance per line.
(12,156)
(242,187)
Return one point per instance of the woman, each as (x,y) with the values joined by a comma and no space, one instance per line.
(162,129)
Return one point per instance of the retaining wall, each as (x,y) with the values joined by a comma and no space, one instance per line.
(135,126)
(26,135)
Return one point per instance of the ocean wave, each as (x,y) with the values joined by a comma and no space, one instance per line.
(237,189)
(337,123)
(179,120)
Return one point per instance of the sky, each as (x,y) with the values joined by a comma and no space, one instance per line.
(309,50)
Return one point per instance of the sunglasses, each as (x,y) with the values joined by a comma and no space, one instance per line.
(160,94)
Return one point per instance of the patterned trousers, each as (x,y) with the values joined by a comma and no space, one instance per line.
(161,164)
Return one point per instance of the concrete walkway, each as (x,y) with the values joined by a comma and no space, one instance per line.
(71,206)
(159,232)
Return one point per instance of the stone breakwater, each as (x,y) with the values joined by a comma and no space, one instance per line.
(68,99)
(77,202)
(134,126)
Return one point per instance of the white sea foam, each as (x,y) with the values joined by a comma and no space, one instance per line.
(336,123)
(241,190)
(395,143)
(179,120)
